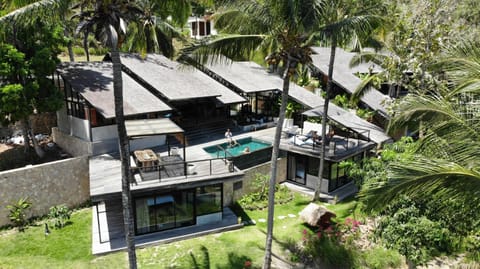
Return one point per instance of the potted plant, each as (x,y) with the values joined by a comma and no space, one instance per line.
(291,108)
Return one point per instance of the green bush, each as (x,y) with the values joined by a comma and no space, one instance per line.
(17,213)
(472,246)
(326,249)
(342,100)
(59,215)
(78,51)
(259,198)
(415,236)
(379,257)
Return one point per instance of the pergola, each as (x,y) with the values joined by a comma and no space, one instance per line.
(151,127)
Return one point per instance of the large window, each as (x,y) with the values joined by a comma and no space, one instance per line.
(165,211)
(209,199)
(184,208)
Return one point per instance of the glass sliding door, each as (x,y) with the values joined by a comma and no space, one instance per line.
(298,169)
(184,208)
(154,213)
(209,199)
(162,213)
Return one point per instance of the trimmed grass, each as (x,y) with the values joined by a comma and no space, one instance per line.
(81,58)
(70,247)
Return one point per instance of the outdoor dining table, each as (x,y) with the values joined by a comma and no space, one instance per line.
(146,158)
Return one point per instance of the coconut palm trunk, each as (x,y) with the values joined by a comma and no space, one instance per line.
(124,152)
(333,49)
(273,166)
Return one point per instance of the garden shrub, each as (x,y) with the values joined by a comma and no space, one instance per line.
(379,257)
(332,246)
(259,198)
(17,213)
(59,215)
(415,236)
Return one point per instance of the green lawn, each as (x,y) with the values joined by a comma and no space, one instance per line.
(70,247)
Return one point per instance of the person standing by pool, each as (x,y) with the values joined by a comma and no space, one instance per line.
(228,136)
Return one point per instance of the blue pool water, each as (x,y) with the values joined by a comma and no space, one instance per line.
(237,150)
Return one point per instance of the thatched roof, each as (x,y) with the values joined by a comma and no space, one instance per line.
(176,82)
(316,215)
(94,81)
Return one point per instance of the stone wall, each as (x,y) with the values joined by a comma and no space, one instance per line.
(61,182)
(234,190)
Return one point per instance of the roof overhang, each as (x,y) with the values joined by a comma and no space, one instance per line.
(150,127)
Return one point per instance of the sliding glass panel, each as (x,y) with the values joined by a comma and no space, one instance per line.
(184,203)
(163,212)
(209,199)
(142,220)
(300,172)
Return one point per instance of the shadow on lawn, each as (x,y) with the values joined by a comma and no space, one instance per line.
(238,210)
(233,261)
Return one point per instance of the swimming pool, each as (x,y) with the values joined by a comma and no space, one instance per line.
(218,151)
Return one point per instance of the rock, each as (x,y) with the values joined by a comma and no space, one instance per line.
(316,215)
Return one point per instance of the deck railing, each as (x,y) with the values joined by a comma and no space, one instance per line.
(181,168)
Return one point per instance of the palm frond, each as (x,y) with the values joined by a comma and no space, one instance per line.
(462,65)
(27,14)
(364,87)
(428,108)
(367,56)
(421,177)
(231,46)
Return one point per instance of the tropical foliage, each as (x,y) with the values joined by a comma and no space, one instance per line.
(281,30)
(25,70)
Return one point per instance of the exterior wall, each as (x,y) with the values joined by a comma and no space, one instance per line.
(62,121)
(46,185)
(104,133)
(72,125)
(70,144)
(79,128)
(78,147)
(312,183)
(230,194)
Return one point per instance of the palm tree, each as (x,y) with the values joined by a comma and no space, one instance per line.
(26,12)
(108,20)
(341,22)
(281,29)
(152,32)
(447,156)
(446,160)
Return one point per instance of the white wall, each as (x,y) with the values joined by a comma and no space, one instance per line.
(104,133)
(79,128)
